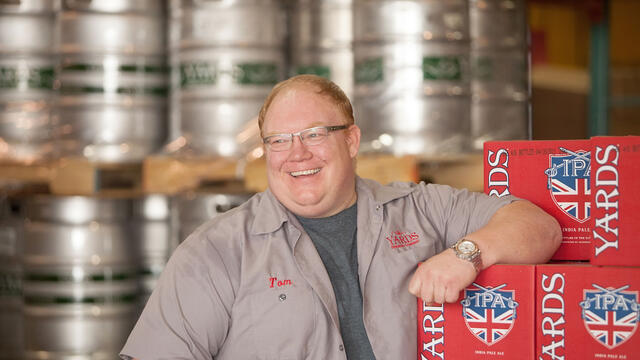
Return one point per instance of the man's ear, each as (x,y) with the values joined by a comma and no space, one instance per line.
(353,140)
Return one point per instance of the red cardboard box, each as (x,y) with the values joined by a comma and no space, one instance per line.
(587,312)
(492,319)
(615,180)
(551,174)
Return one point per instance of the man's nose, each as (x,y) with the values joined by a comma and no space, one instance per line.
(298,149)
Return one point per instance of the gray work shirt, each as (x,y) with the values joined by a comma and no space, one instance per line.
(249,284)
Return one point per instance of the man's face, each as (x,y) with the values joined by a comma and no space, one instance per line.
(328,184)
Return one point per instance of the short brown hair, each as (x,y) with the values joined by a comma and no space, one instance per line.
(322,86)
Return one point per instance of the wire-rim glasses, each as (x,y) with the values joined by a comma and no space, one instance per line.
(309,137)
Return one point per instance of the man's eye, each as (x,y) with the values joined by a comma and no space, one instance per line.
(278,141)
(314,135)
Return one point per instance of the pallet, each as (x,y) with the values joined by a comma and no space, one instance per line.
(18,177)
(463,172)
(79,176)
(170,175)
(74,176)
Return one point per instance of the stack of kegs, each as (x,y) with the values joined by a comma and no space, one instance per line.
(80,276)
(26,79)
(321,39)
(153,232)
(112,79)
(499,53)
(412,82)
(226,57)
(11,335)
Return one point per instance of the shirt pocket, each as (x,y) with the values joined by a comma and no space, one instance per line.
(283,322)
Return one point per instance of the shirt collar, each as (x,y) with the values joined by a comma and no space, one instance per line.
(270,214)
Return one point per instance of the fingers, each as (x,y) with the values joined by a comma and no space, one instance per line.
(438,283)
(439,291)
(451,295)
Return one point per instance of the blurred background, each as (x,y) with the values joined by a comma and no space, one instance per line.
(125,124)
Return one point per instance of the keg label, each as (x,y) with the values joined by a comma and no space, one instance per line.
(194,74)
(203,73)
(482,69)
(256,74)
(441,68)
(319,70)
(67,89)
(126,68)
(31,78)
(10,284)
(97,280)
(369,71)
(61,299)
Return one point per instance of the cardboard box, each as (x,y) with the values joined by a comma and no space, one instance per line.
(615,184)
(492,319)
(551,174)
(587,312)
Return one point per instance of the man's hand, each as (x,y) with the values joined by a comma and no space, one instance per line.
(441,278)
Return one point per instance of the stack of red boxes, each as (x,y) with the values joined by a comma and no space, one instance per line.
(588,305)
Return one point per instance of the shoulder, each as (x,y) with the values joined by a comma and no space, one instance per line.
(223,234)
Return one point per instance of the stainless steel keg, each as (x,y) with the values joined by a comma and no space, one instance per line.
(226,55)
(500,71)
(153,232)
(112,79)
(26,78)
(80,276)
(412,79)
(321,40)
(196,208)
(11,332)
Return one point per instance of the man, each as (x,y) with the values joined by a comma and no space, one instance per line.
(324,265)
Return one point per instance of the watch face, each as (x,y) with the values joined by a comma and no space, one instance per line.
(466,247)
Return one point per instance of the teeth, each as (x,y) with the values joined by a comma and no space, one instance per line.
(304,172)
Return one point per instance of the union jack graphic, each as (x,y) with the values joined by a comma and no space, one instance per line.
(610,315)
(573,200)
(488,312)
(568,183)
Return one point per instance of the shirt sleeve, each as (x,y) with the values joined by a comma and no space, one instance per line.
(188,313)
(458,212)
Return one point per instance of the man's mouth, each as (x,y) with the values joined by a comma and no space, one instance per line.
(304,172)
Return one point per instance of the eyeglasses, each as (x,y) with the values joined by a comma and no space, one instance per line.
(309,137)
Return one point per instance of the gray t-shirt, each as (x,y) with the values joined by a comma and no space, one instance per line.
(335,240)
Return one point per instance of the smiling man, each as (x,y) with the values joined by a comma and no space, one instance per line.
(324,264)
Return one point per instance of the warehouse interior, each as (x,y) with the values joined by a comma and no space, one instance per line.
(126,124)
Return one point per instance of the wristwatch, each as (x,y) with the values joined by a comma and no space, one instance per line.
(466,249)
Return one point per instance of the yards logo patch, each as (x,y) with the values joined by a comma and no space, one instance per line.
(400,239)
(568,182)
(489,313)
(610,315)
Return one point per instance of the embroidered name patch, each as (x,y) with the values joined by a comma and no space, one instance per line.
(399,239)
(275,282)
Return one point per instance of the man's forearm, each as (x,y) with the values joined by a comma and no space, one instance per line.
(519,232)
